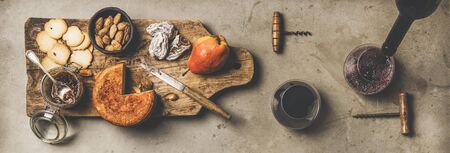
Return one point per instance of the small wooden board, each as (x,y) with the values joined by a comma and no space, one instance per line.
(239,69)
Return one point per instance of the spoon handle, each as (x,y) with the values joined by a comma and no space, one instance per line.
(33,58)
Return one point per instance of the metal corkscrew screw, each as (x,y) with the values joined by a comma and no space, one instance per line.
(299,33)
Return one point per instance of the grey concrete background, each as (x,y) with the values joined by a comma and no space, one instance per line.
(338,26)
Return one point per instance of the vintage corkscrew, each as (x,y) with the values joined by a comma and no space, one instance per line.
(402,114)
(278,32)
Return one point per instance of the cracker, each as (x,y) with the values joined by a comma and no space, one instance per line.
(84,58)
(44,41)
(86,42)
(56,28)
(73,36)
(48,63)
(60,53)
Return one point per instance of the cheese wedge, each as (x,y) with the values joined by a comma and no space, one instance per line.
(115,107)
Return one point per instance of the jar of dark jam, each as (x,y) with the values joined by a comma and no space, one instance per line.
(67,75)
(48,124)
(296,104)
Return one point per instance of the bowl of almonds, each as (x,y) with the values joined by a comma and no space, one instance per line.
(111,31)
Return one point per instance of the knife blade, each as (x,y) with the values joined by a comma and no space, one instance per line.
(163,76)
(199,98)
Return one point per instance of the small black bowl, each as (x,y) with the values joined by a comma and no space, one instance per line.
(105,12)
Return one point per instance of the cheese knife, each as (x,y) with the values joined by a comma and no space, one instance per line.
(199,98)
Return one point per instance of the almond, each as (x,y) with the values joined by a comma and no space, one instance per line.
(106,40)
(99,41)
(116,45)
(126,36)
(118,37)
(109,48)
(112,31)
(117,18)
(108,22)
(122,25)
(99,24)
(86,72)
(102,32)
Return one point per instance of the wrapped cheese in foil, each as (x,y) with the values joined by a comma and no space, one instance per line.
(162,27)
(178,46)
(159,46)
(163,33)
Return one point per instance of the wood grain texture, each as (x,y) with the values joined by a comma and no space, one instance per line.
(238,71)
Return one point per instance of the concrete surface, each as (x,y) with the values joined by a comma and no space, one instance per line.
(338,26)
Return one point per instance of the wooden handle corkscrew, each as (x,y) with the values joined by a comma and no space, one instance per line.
(276,32)
(404,113)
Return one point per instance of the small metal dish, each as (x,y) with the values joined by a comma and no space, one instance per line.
(287,120)
(105,12)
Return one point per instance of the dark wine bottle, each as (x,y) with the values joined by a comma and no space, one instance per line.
(409,10)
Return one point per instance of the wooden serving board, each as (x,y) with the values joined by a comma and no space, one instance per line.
(239,69)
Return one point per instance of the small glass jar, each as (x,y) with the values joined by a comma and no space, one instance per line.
(48,124)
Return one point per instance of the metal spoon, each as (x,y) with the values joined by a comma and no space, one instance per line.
(59,89)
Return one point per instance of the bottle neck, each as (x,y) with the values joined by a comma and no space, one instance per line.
(396,35)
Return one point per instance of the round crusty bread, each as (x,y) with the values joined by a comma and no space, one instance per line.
(113,106)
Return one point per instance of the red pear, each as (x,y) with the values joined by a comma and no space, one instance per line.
(209,54)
